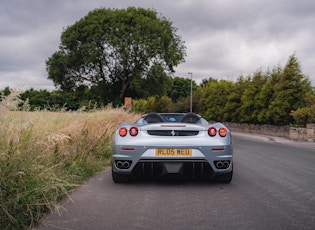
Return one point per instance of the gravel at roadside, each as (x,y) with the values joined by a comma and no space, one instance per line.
(267,138)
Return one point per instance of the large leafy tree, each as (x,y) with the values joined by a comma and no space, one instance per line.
(155,83)
(109,48)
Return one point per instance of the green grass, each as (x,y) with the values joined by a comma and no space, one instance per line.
(45,155)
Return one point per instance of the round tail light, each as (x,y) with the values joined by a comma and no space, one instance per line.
(133,131)
(212,131)
(222,132)
(122,132)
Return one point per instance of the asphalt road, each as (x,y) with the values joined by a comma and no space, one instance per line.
(273,188)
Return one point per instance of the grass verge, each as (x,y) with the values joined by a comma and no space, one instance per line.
(45,155)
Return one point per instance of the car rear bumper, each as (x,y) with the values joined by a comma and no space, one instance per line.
(206,161)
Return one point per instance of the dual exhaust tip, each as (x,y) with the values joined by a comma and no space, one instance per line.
(222,164)
(123,164)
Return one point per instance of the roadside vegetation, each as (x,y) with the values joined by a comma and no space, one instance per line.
(282,96)
(45,155)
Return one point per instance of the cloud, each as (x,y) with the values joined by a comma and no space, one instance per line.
(224,38)
(25,80)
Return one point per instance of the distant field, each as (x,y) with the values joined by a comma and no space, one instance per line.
(44,155)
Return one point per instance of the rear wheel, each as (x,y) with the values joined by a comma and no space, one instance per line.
(225,178)
(119,178)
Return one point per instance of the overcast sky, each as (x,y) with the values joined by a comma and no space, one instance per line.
(224,38)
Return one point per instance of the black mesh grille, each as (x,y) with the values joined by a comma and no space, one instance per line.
(172,133)
(155,169)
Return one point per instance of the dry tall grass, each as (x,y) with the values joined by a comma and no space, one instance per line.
(44,155)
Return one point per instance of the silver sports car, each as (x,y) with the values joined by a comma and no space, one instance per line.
(172,144)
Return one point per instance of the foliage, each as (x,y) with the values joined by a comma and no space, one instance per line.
(306,114)
(282,96)
(180,88)
(61,100)
(289,87)
(43,99)
(110,48)
(44,155)
(213,98)
(162,104)
(5,92)
(156,83)
(182,105)
(253,99)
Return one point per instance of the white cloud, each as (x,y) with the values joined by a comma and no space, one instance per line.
(224,38)
(25,80)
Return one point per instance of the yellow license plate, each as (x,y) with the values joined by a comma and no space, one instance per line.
(173,152)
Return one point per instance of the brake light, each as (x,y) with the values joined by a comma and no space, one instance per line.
(133,131)
(122,132)
(212,131)
(222,132)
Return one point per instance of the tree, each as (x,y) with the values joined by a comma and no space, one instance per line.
(5,92)
(181,88)
(38,99)
(305,115)
(290,87)
(165,105)
(155,83)
(55,100)
(213,99)
(252,100)
(109,48)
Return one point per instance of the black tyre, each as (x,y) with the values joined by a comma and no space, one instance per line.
(120,178)
(224,178)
